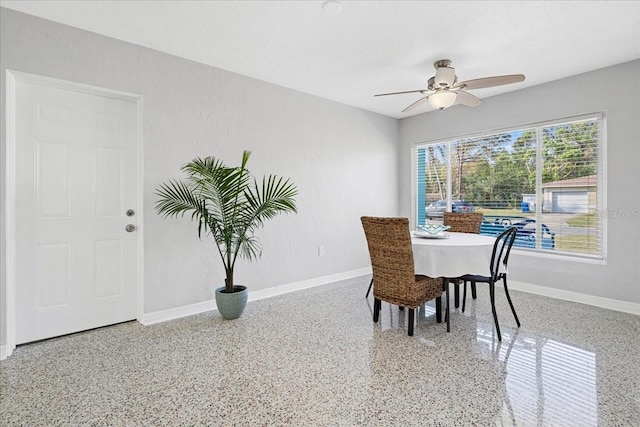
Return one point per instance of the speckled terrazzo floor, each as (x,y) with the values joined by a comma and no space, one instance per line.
(315,357)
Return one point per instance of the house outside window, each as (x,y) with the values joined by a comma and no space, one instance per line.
(545,179)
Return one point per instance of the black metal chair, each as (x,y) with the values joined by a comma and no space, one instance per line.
(500,256)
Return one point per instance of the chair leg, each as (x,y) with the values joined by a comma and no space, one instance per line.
(446,286)
(411,320)
(369,290)
(473,290)
(439,309)
(464,295)
(376,309)
(492,293)
(506,291)
(456,294)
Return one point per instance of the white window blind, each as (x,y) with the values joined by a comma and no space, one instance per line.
(545,179)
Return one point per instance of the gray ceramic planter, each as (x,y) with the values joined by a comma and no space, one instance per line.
(231,305)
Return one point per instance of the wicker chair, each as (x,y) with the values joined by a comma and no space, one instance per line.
(501,250)
(462,223)
(394,276)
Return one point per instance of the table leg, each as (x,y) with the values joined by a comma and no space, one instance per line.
(439,309)
(456,294)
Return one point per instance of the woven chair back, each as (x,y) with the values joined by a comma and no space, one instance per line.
(389,242)
(463,222)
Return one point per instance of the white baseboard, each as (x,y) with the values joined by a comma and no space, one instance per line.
(201,307)
(177,312)
(608,303)
(305,284)
(3,352)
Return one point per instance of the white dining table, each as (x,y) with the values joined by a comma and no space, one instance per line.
(452,256)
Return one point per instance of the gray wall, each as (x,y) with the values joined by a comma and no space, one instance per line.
(344,160)
(614,90)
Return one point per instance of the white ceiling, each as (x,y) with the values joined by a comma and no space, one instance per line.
(370,47)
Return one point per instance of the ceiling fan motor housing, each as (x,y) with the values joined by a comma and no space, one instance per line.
(445,77)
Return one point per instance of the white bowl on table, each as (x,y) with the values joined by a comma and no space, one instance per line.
(432,231)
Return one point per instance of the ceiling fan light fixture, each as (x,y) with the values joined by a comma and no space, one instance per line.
(442,99)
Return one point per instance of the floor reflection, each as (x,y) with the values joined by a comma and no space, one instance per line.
(568,365)
(548,383)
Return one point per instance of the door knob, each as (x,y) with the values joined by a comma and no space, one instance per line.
(130,227)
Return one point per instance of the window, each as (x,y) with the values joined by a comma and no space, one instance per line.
(545,179)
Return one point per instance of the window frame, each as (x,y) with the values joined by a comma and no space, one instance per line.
(601,180)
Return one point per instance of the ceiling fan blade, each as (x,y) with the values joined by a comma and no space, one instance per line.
(465,98)
(416,104)
(491,81)
(399,93)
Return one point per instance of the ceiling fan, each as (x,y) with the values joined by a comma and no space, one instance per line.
(444,90)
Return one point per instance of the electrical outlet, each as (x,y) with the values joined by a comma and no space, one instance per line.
(320,250)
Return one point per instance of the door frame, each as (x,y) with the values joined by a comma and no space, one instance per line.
(12,79)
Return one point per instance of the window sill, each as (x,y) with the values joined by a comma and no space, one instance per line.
(560,256)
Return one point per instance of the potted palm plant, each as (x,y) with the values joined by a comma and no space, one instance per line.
(228,204)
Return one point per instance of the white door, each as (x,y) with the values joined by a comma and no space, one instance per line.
(76,265)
